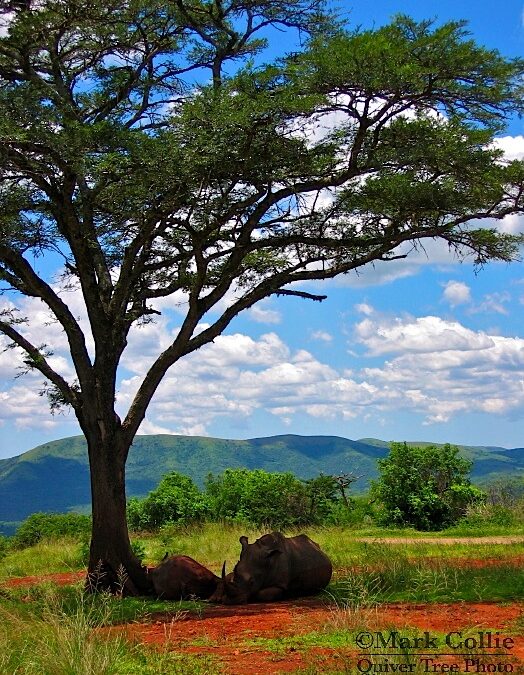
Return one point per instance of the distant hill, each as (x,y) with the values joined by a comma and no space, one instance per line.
(55,476)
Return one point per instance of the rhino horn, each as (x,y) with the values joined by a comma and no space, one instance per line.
(224,571)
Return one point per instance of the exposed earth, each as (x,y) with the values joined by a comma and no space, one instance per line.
(234,636)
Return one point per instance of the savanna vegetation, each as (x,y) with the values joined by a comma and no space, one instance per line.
(52,630)
(148,147)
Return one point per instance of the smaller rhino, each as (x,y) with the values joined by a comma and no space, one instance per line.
(179,577)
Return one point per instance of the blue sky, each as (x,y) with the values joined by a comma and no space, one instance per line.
(422,349)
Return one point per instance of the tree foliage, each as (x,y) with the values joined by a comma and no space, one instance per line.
(176,501)
(145,146)
(257,497)
(425,487)
(39,526)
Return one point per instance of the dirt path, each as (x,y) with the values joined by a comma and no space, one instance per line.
(516,539)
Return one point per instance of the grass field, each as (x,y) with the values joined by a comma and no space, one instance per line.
(51,630)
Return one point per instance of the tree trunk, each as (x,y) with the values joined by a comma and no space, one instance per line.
(112,564)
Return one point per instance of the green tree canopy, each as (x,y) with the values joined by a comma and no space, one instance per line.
(146,145)
(425,487)
(259,497)
(176,501)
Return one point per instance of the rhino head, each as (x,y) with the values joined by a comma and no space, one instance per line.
(255,571)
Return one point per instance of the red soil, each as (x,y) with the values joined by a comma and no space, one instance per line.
(225,632)
(61,579)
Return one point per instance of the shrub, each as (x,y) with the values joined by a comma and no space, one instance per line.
(271,499)
(323,495)
(480,515)
(360,512)
(176,500)
(425,487)
(4,546)
(40,526)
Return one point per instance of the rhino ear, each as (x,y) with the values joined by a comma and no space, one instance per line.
(273,552)
(243,541)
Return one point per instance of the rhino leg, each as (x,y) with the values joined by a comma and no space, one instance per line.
(269,594)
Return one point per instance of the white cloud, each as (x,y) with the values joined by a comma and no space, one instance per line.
(321,336)
(5,22)
(493,303)
(435,368)
(364,308)
(424,335)
(261,315)
(512,146)
(443,368)
(457,293)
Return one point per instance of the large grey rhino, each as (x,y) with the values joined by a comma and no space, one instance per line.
(274,567)
(179,576)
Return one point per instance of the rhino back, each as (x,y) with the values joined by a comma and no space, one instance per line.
(181,576)
(309,568)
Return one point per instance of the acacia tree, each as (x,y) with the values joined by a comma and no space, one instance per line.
(140,143)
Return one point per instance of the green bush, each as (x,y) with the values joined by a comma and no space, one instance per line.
(424,487)
(323,495)
(176,500)
(360,511)
(4,546)
(480,515)
(258,497)
(40,526)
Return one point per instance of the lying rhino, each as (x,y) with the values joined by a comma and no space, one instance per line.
(179,576)
(272,568)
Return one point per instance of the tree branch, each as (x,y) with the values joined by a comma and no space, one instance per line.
(300,294)
(37,360)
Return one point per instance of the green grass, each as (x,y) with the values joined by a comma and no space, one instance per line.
(400,579)
(46,557)
(60,632)
(213,543)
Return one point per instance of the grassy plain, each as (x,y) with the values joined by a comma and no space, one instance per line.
(53,630)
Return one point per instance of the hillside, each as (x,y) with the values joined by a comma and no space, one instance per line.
(55,477)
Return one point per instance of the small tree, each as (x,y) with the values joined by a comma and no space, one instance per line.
(425,487)
(176,500)
(146,184)
(322,494)
(259,497)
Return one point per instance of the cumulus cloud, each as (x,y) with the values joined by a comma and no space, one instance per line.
(434,367)
(457,293)
(441,368)
(427,365)
(261,314)
(423,335)
(512,146)
(321,336)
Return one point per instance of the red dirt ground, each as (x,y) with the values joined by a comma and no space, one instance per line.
(225,632)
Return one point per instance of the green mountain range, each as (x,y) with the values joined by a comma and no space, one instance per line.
(54,477)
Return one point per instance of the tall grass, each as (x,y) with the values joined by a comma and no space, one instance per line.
(46,557)
(65,636)
(212,543)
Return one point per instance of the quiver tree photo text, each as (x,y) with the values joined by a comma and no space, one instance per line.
(151,149)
